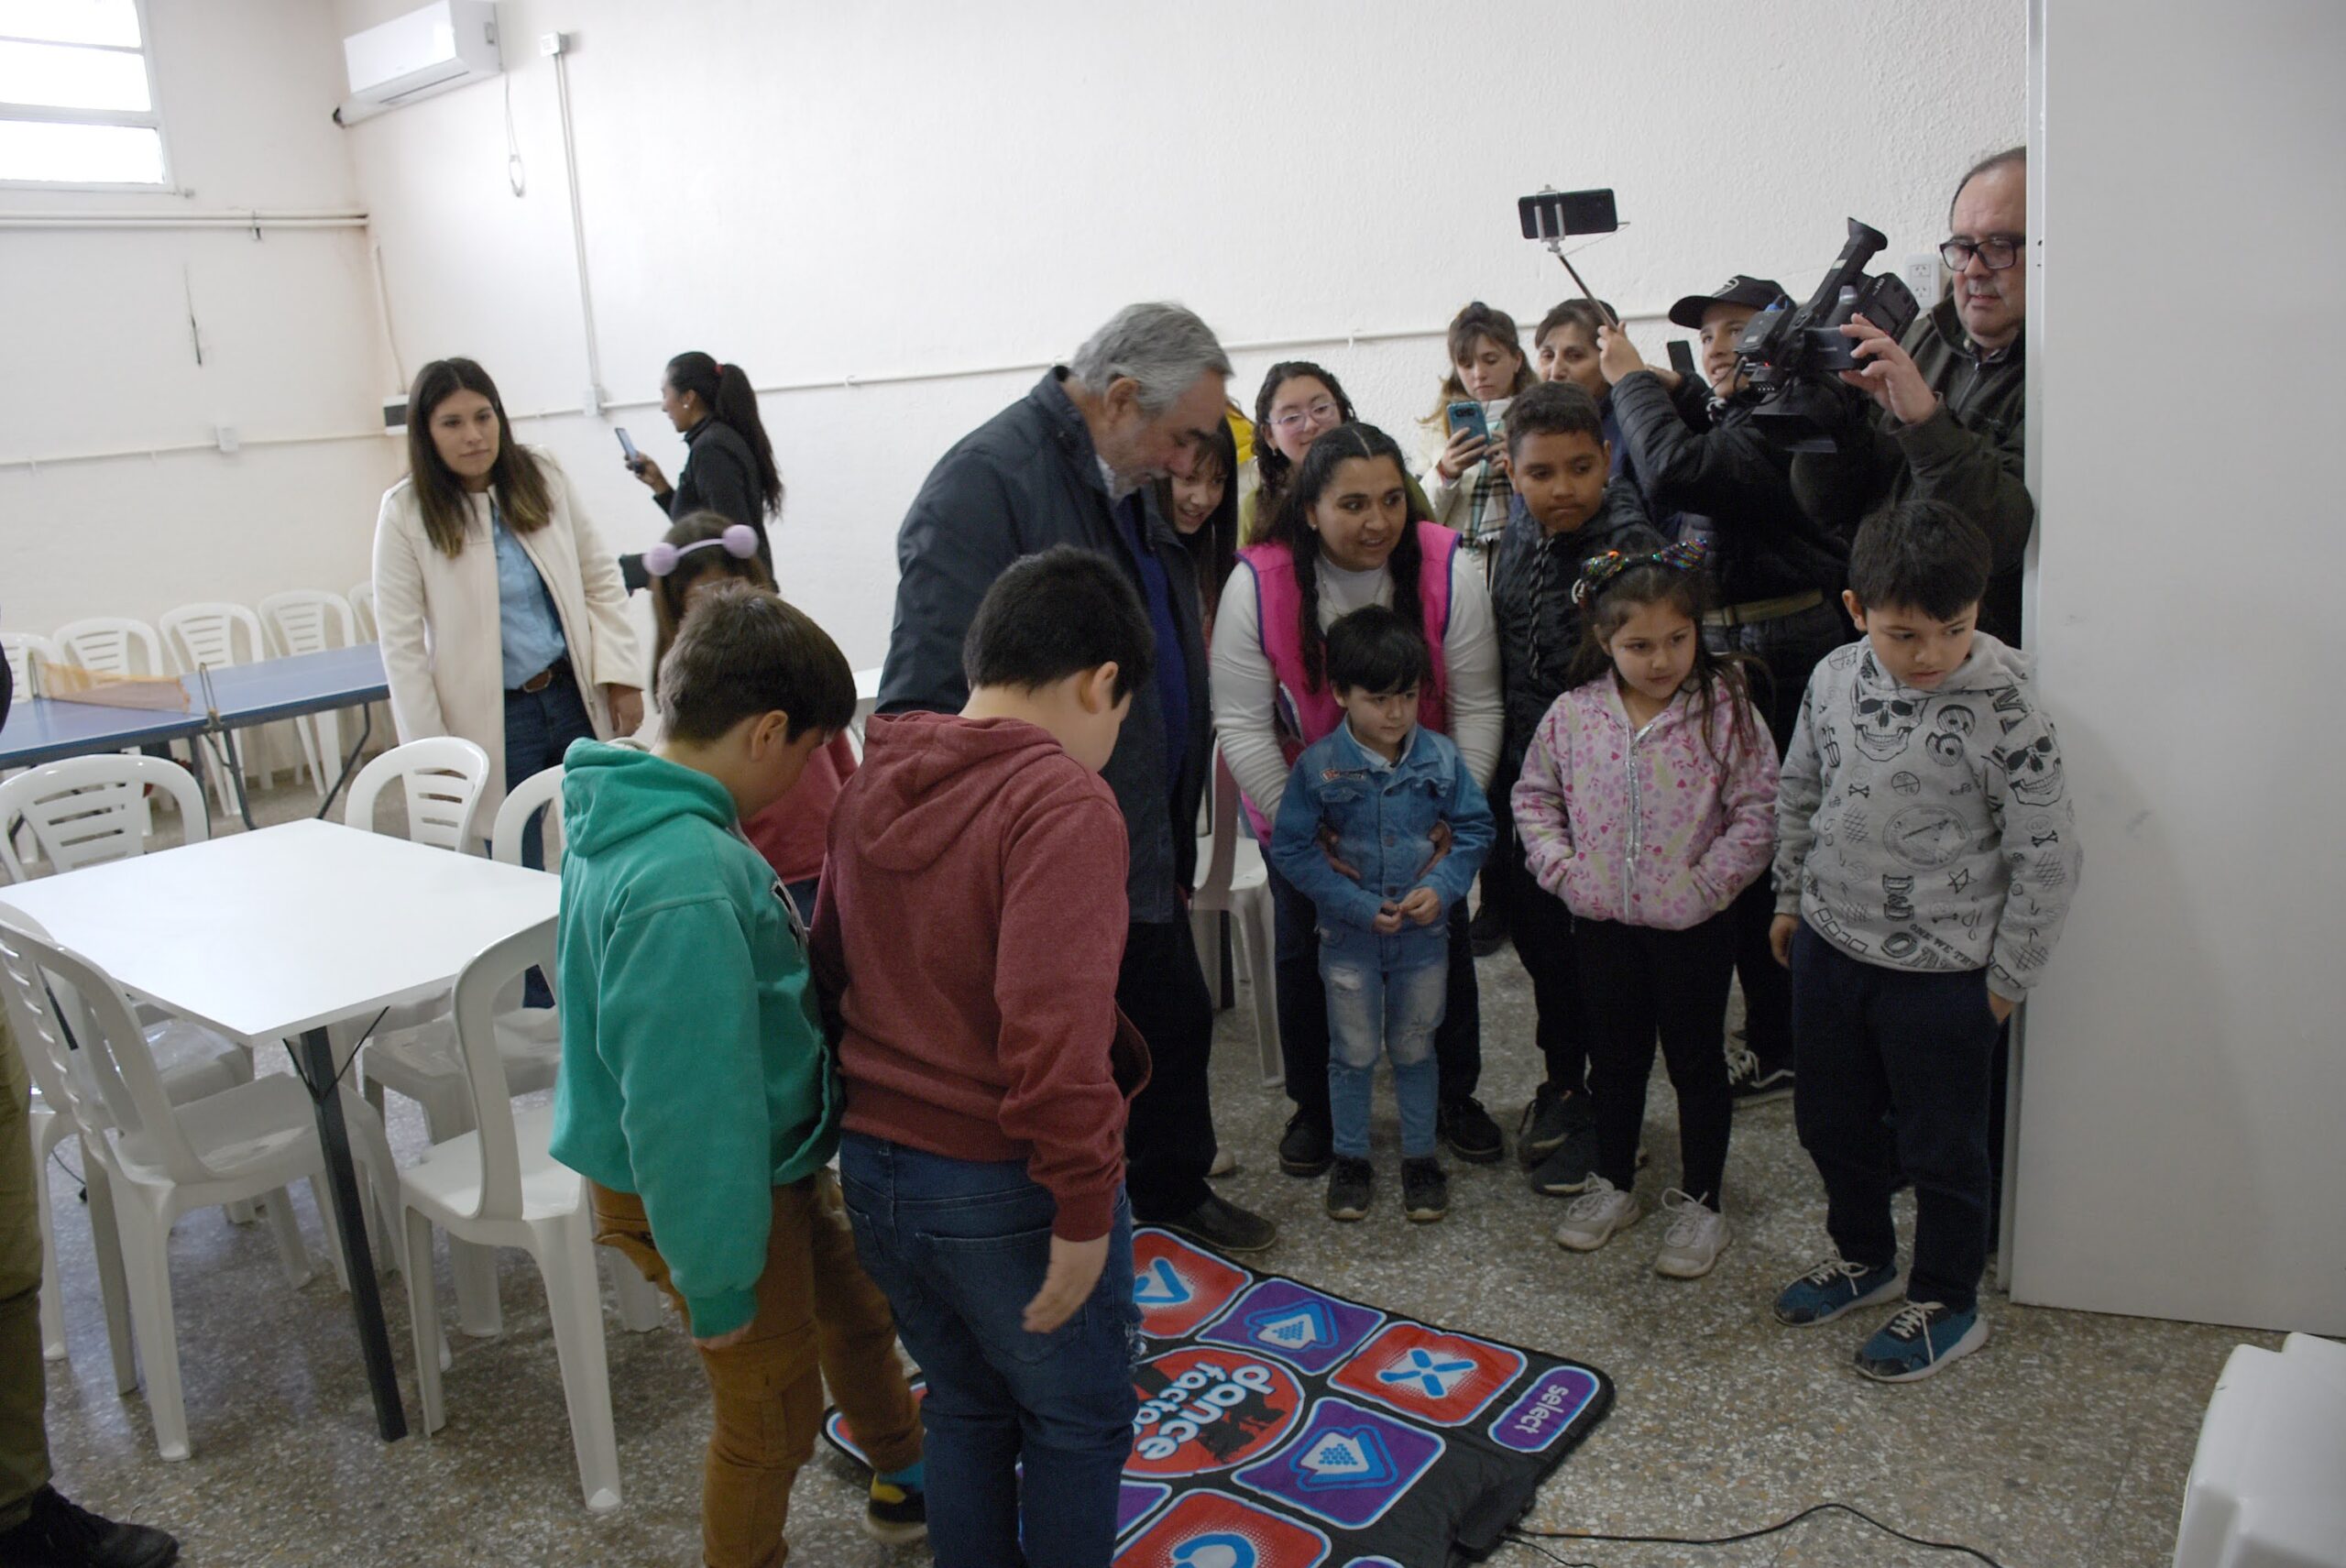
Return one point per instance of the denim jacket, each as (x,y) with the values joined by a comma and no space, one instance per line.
(1384,817)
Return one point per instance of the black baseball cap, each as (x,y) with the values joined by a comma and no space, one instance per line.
(1757,292)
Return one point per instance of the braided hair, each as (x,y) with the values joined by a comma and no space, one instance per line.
(1291,526)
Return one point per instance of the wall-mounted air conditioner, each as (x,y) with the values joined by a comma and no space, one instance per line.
(447,44)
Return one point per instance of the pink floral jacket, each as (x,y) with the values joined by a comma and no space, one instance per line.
(1643,826)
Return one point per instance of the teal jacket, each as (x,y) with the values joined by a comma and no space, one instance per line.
(694,1067)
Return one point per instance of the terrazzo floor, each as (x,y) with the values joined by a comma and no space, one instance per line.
(2064,1445)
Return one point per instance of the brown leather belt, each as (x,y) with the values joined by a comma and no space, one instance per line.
(1760,611)
(544,678)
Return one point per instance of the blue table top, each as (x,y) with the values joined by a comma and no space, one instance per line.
(43,731)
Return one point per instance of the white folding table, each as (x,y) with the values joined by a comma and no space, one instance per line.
(276,934)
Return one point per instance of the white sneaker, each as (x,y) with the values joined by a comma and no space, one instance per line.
(1696,1237)
(1595,1214)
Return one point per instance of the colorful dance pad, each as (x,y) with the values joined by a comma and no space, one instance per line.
(1282,1427)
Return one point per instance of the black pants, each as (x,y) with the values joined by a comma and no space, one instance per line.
(1894,1067)
(1637,982)
(1788,650)
(1540,928)
(1304,1009)
(1168,1135)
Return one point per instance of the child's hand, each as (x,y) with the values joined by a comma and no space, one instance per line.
(1780,937)
(1465,449)
(1422,904)
(1388,920)
(2002,1008)
(1074,1269)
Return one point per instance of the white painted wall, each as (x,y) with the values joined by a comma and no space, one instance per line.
(2186,1067)
(821,192)
(96,346)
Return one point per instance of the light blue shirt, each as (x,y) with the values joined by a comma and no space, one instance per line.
(530,629)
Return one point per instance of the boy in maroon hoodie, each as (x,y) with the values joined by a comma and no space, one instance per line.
(970,928)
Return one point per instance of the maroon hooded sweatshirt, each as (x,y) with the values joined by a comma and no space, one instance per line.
(968,932)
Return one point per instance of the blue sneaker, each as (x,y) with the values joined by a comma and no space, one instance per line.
(1835,1287)
(1922,1337)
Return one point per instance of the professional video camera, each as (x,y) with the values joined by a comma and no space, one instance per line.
(1792,355)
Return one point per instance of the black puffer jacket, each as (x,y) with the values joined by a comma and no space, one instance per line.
(1969,455)
(1531,600)
(1024,480)
(1693,456)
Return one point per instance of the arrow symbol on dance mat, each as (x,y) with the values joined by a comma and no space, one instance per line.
(1220,1550)
(1158,1286)
(1436,1377)
(1354,1457)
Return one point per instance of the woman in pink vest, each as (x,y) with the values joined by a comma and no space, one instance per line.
(1348,533)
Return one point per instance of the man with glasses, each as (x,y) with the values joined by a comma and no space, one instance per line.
(1946,422)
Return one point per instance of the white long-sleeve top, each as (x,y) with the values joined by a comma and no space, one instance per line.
(1245,690)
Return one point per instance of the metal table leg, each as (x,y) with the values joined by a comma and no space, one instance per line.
(314,1060)
(350,764)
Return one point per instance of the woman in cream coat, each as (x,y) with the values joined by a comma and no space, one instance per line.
(503,617)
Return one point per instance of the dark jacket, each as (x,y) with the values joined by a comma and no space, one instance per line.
(1531,600)
(1967,454)
(1023,481)
(720,475)
(1692,456)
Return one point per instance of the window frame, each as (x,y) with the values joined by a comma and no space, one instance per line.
(149,119)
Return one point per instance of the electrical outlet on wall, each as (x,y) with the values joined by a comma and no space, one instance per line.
(1921,274)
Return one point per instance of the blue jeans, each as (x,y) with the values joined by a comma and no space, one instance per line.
(1372,1011)
(959,1247)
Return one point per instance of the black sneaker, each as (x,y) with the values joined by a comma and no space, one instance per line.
(1469,1131)
(1307,1147)
(893,1515)
(56,1534)
(1225,1226)
(1487,930)
(1553,1115)
(1752,1083)
(1351,1184)
(1425,1190)
(1567,1173)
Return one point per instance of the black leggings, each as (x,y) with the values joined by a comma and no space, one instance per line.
(1636,981)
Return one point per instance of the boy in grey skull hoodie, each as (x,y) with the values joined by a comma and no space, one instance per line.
(1925,855)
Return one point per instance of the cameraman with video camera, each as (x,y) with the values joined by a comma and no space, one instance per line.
(1946,421)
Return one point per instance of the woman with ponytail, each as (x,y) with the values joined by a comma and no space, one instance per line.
(729,469)
(1348,530)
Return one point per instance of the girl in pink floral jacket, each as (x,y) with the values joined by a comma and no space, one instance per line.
(1647,803)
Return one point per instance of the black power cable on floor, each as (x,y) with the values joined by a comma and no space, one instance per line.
(1530,1538)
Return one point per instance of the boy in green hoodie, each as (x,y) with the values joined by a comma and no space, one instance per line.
(698,1096)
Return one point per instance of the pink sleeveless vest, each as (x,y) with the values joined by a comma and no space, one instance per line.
(1304,713)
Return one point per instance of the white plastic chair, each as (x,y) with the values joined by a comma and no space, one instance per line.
(442,776)
(498,1186)
(27,651)
(155,1160)
(312,621)
(113,644)
(86,810)
(362,606)
(1233,881)
(212,636)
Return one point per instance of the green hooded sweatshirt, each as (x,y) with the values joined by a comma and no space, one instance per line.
(694,1067)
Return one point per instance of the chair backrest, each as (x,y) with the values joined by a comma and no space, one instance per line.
(27,651)
(213,635)
(115,644)
(1212,891)
(362,605)
(443,775)
(541,791)
(493,972)
(86,810)
(309,620)
(113,1052)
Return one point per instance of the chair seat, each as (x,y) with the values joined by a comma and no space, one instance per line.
(194,1061)
(446,1185)
(528,1040)
(234,1130)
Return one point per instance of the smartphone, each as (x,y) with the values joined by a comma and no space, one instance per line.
(1682,358)
(628,447)
(1552,214)
(1469,416)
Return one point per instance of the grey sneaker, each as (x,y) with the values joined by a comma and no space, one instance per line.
(1697,1236)
(1752,1085)
(1592,1218)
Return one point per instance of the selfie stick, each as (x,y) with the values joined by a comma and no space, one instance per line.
(1557,247)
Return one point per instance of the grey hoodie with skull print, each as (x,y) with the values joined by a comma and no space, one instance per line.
(1929,829)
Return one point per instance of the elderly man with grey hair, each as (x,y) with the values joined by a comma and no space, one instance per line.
(1071,463)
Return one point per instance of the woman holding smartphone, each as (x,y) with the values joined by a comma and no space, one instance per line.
(502,617)
(730,467)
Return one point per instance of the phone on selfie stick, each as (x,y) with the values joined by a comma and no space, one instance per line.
(1550,216)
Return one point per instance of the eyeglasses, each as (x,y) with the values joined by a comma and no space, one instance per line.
(1996,252)
(1324,412)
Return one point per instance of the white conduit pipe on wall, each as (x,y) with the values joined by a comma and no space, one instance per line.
(253,221)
